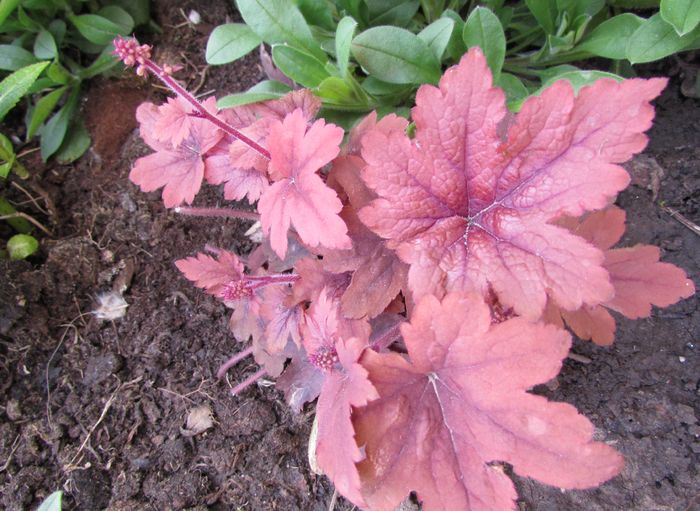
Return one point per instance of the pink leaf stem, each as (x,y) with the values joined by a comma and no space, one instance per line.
(248,382)
(233,361)
(218,212)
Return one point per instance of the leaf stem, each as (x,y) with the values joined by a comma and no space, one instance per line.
(218,213)
(248,382)
(233,361)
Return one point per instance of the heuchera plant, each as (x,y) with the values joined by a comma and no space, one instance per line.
(418,286)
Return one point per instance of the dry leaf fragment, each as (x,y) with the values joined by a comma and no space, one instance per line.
(199,419)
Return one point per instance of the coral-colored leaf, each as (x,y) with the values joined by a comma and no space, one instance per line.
(641,281)
(212,274)
(283,319)
(174,122)
(314,278)
(639,278)
(178,169)
(239,182)
(461,404)
(299,197)
(469,210)
(346,386)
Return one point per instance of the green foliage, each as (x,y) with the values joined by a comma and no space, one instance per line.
(360,55)
(21,246)
(52,47)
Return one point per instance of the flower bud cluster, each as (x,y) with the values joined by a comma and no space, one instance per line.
(131,53)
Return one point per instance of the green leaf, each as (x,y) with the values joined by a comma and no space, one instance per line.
(343,40)
(21,246)
(300,66)
(455,47)
(57,73)
(545,12)
(7,151)
(514,88)
(45,46)
(396,55)
(437,36)
(279,21)
(7,7)
(654,40)
(74,145)
(104,62)
(54,131)
(610,38)
(230,42)
(19,224)
(58,30)
(684,15)
(52,502)
(484,29)
(42,109)
(119,17)
(96,29)
(265,90)
(317,12)
(138,9)
(14,57)
(338,94)
(16,85)
(372,85)
(397,13)
(27,22)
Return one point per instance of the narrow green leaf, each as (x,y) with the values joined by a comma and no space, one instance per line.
(45,46)
(96,29)
(656,39)
(298,65)
(279,21)
(484,29)
(437,36)
(16,85)
(263,91)
(74,145)
(19,224)
(684,15)
(43,109)
(7,7)
(7,151)
(52,502)
(14,57)
(396,55)
(610,38)
(455,47)
(230,42)
(21,246)
(119,17)
(54,131)
(343,39)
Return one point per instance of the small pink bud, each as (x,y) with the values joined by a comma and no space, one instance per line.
(325,358)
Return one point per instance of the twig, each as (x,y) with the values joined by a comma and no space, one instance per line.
(15,445)
(683,220)
(579,358)
(31,198)
(27,218)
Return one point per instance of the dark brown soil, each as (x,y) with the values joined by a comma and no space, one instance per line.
(97,407)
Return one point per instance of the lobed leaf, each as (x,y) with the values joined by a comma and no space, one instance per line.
(470,210)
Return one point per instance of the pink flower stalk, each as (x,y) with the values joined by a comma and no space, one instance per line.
(131,53)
